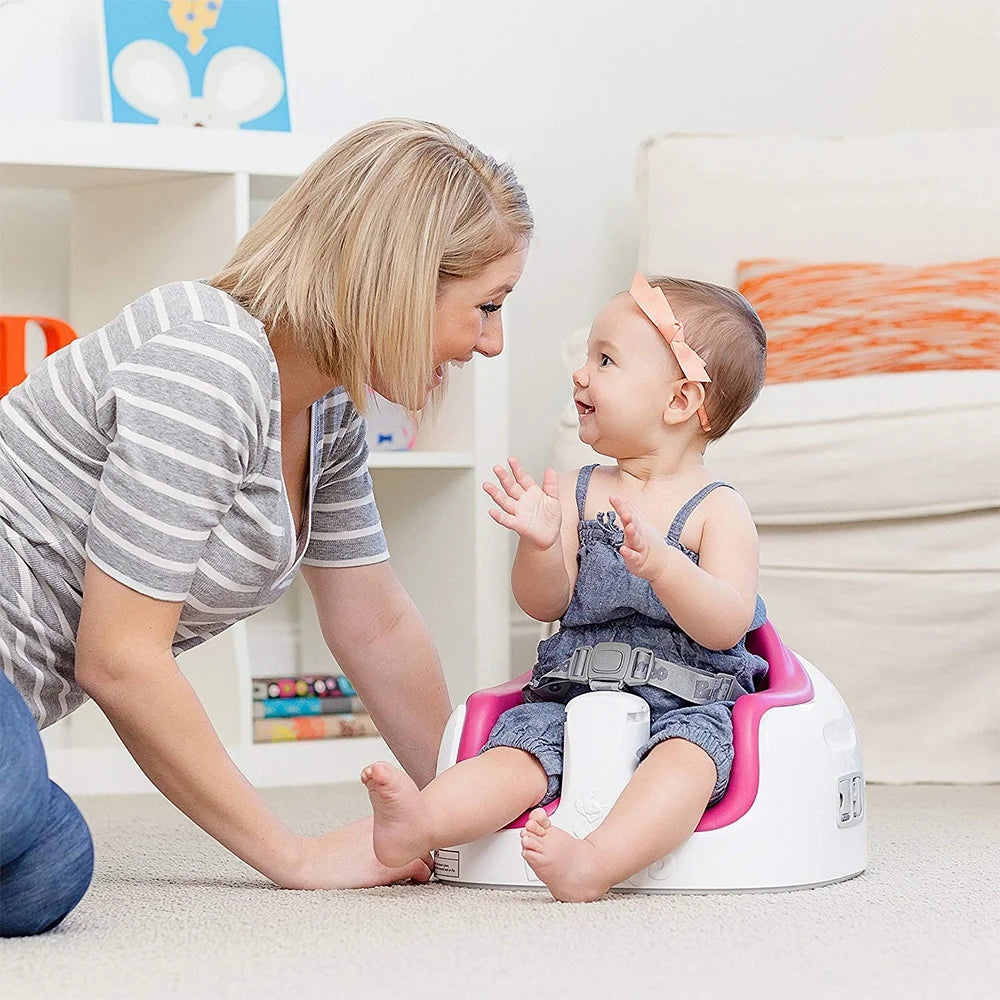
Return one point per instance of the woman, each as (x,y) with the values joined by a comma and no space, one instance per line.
(167,475)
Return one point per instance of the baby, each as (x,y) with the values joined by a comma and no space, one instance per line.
(650,552)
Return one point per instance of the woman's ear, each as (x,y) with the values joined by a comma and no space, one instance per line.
(684,403)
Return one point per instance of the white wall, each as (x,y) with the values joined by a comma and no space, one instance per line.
(567,91)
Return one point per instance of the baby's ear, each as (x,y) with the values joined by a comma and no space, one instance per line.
(687,397)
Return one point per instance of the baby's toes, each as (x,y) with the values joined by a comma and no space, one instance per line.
(529,842)
(541,817)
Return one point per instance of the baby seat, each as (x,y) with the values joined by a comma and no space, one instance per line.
(793,815)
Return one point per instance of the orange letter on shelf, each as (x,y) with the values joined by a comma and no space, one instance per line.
(13,333)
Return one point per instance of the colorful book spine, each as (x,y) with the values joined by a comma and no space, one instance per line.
(274,708)
(307,686)
(313,727)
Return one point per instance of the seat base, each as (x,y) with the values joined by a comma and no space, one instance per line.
(806,826)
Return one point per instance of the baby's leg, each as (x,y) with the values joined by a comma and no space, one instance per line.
(658,810)
(475,797)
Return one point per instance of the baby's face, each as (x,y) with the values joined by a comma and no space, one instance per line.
(624,385)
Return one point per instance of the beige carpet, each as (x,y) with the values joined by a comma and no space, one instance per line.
(171,915)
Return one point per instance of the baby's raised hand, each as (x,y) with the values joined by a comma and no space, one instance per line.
(643,550)
(533,511)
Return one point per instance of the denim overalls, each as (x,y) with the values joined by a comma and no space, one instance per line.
(610,604)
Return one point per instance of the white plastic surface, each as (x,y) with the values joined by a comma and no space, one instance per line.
(789,838)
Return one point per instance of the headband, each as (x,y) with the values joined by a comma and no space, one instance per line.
(657,309)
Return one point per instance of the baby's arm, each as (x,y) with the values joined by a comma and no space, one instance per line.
(713,602)
(540,579)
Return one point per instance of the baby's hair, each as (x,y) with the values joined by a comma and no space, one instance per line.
(723,328)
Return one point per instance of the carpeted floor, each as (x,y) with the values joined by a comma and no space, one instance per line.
(171,915)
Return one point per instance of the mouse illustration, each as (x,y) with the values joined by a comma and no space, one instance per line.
(241,84)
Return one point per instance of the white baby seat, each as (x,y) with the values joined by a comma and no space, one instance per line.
(793,815)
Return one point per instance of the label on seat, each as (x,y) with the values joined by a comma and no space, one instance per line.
(446,863)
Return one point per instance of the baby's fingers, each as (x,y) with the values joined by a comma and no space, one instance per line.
(500,498)
(502,518)
(631,557)
(623,508)
(550,484)
(634,538)
(508,482)
(524,479)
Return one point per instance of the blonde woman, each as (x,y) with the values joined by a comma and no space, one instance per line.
(167,475)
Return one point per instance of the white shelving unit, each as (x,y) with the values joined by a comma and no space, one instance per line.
(91,216)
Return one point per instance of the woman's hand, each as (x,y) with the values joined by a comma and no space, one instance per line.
(533,511)
(345,859)
(645,553)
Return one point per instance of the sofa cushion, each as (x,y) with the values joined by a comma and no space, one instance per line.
(833,320)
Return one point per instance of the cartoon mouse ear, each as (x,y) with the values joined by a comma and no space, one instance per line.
(242,83)
(151,77)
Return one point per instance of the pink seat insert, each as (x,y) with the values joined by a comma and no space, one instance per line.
(786,683)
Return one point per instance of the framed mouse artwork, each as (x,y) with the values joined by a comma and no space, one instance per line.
(195,63)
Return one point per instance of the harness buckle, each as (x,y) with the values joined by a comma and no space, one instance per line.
(639,667)
(577,670)
(608,664)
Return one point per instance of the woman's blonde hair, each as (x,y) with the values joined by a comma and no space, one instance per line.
(349,261)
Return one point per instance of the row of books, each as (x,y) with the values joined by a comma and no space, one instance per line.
(311,707)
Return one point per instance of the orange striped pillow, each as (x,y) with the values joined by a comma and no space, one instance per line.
(838,320)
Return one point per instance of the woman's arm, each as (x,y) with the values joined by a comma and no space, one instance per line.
(714,601)
(124,662)
(378,637)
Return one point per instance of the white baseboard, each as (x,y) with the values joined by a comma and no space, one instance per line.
(112,771)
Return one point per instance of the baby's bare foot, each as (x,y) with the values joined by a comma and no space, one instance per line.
(569,867)
(402,822)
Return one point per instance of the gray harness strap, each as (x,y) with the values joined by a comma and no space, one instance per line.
(611,666)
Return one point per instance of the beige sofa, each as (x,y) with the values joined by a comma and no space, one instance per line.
(877,498)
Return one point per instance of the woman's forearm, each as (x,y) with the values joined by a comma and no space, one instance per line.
(159,718)
(398,678)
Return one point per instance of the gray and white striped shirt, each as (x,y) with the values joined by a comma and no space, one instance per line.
(152,446)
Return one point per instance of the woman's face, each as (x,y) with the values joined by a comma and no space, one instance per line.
(468,320)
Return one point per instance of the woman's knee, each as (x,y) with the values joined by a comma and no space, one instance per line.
(44,883)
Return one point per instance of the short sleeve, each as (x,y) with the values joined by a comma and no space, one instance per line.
(346,529)
(186,414)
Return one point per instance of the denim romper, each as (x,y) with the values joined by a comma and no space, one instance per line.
(610,604)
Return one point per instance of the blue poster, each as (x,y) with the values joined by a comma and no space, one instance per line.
(196,63)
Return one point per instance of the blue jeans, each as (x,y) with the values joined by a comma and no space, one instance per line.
(46,854)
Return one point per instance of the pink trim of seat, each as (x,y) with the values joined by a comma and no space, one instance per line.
(482,709)
(787,684)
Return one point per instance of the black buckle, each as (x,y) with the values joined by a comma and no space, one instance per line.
(640,666)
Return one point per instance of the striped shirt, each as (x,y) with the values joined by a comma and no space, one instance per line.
(152,447)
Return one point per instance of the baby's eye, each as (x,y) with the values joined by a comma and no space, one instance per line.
(605,360)
(490,307)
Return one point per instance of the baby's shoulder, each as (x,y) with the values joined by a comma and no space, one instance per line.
(724,503)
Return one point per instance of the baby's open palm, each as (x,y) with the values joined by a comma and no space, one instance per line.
(530,509)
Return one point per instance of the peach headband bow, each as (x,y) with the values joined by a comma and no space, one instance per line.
(657,309)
